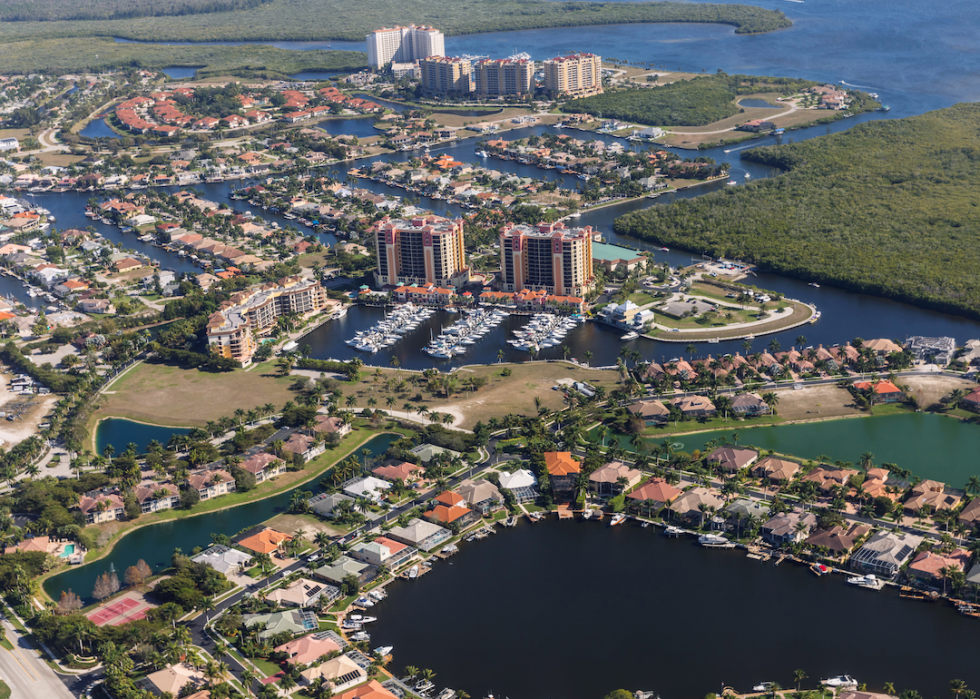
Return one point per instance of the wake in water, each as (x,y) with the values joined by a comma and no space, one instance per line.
(860,87)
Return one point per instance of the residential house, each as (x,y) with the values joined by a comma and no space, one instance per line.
(563,470)
(481,495)
(749,404)
(308,649)
(451,507)
(789,527)
(875,484)
(98,306)
(369,487)
(744,508)
(345,565)
(299,593)
(291,622)
(928,566)
(688,505)
(127,264)
(383,551)
(971,513)
(732,459)
(420,534)
(304,445)
(522,483)
(324,504)
(369,690)
(69,287)
(227,561)
(884,391)
(837,540)
(606,481)
(695,406)
(829,477)
(263,466)
(776,470)
(330,425)
(403,471)
(338,673)
(653,412)
(653,495)
(931,494)
(971,401)
(173,679)
(885,552)
(154,497)
(265,541)
(211,483)
(102,506)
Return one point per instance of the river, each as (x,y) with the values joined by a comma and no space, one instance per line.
(156,543)
(576,610)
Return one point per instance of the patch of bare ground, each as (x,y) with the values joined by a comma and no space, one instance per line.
(929,389)
(815,403)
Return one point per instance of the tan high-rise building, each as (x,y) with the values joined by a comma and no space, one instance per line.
(549,256)
(506,76)
(574,75)
(404,45)
(233,329)
(425,250)
(443,75)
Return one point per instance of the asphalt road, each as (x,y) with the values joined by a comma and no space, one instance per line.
(26,673)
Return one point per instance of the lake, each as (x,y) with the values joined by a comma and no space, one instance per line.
(97,128)
(120,433)
(576,610)
(155,543)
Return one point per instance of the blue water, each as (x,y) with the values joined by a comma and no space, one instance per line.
(361,128)
(97,128)
(178,72)
(69,550)
(120,433)
(315,75)
(758,104)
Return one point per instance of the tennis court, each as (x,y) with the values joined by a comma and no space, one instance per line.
(130,607)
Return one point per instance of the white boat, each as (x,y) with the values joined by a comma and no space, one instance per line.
(732,183)
(383,651)
(361,636)
(762,687)
(360,619)
(575,215)
(617,519)
(715,541)
(413,572)
(423,686)
(869,582)
(673,531)
(842,681)
(629,336)
(482,154)
(814,285)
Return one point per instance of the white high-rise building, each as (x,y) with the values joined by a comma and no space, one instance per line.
(404,45)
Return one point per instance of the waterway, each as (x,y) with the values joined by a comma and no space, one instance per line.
(156,543)
(576,610)
(121,433)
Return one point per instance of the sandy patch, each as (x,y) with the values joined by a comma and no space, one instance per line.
(928,389)
(310,524)
(815,402)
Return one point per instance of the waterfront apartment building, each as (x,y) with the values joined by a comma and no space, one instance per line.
(442,75)
(424,250)
(549,257)
(233,330)
(404,45)
(507,76)
(575,75)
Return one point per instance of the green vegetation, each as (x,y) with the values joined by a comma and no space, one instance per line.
(888,207)
(47,10)
(4,690)
(94,54)
(703,100)
(339,19)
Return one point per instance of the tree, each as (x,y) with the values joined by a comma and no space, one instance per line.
(106,585)
(799,675)
(138,574)
(69,602)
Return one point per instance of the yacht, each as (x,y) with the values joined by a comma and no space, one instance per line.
(715,541)
(383,651)
(413,572)
(673,531)
(842,681)
(361,636)
(629,336)
(360,619)
(869,582)
(482,154)
(819,569)
(814,285)
(423,686)
(617,519)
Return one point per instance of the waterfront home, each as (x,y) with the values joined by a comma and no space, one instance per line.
(427,452)
(653,496)
(776,470)
(482,495)
(368,690)
(308,649)
(450,507)
(345,565)
(522,483)
(97,306)
(303,445)
(749,404)
(227,561)
(837,540)
(399,470)
(885,552)
(338,673)
(829,477)
(688,505)
(745,508)
(173,679)
(369,487)
(383,551)
(938,350)
(102,506)
(263,466)
(154,497)
(324,504)
(330,425)
(563,470)
(931,494)
(928,566)
(882,347)
(420,534)
(884,391)
(971,401)
(291,622)
(211,482)
(788,527)
(653,412)
(854,694)
(299,593)
(613,478)
(732,459)
(875,485)
(695,406)
(971,513)
(267,540)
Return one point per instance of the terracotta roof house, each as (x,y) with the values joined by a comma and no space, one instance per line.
(291,622)
(154,497)
(211,483)
(370,690)
(776,470)
(732,459)
(340,673)
(330,425)
(687,505)
(784,527)
(749,404)
(305,650)
(695,406)
(653,412)
(38,543)
(405,471)
(885,552)
(657,491)
(126,264)
(927,565)
(304,445)
(263,466)
(447,514)
(266,541)
(174,678)
(933,495)
(604,481)
(885,391)
(102,506)
(563,470)
(828,477)
(971,401)
(837,540)
(299,593)
(876,484)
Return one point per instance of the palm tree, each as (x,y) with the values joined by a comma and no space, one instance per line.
(957,687)
(770,399)
(588,357)
(867,460)
(799,675)
(248,679)
(973,485)
(500,356)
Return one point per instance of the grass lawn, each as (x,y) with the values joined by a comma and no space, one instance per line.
(255,572)
(166,395)
(343,604)
(641,298)
(4,690)
(265,667)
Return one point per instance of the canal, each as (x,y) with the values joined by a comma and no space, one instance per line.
(155,543)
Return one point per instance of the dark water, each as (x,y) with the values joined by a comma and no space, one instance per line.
(178,72)
(97,128)
(759,104)
(156,543)
(315,75)
(361,128)
(121,433)
(629,608)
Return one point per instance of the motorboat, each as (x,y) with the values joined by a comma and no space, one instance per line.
(869,582)
(715,541)
(814,285)
(413,572)
(483,154)
(423,686)
(763,687)
(383,651)
(842,681)
(632,335)
(820,569)
(360,619)
(618,518)
(673,531)
(361,636)
(363,602)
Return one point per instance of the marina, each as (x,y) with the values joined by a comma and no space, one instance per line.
(464,333)
(397,323)
(545,330)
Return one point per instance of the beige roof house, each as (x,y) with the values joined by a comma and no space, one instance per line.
(605,479)
(480,494)
(341,672)
(652,411)
(733,459)
(174,678)
(837,540)
(299,593)
(305,650)
(688,505)
(776,470)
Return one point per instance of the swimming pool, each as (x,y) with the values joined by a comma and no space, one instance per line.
(69,550)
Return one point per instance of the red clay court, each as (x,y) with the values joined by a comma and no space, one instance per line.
(123,610)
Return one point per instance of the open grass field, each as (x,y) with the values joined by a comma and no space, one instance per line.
(502,395)
(166,395)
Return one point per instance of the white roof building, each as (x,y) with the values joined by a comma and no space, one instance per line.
(368,487)
(223,559)
(521,478)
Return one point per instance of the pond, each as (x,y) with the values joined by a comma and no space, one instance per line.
(178,72)
(97,128)
(155,543)
(120,433)
(759,104)
(931,446)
